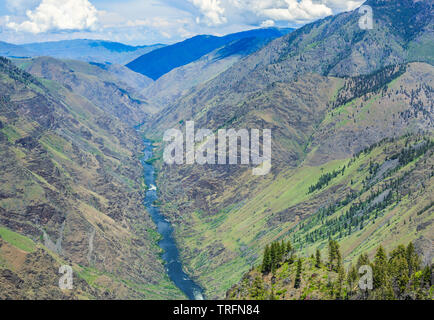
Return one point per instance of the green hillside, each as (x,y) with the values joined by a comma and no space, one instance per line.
(71,185)
(398,274)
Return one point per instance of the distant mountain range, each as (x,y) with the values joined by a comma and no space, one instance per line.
(161,61)
(84,50)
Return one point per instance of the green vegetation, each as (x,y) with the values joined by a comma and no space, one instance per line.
(398,275)
(324,179)
(275,254)
(360,208)
(17,240)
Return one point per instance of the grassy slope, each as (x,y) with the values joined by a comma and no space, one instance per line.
(75,188)
(241,230)
(218,246)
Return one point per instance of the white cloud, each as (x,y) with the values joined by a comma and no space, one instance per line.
(262,12)
(54,15)
(152,21)
(302,11)
(267,23)
(211,10)
(293,11)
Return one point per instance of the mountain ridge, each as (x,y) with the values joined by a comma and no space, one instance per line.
(223,214)
(156,64)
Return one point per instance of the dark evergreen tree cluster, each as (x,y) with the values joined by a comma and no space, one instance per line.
(335,257)
(297,280)
(365,208)
(324,179)
(7,67)
(397,275)
(275,254)
(374,83)
(409,154)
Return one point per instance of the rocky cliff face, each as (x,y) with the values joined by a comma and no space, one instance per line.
(327,91)
(71,179)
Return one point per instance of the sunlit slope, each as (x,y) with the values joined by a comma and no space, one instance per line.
(391,204)
(71,180)
(224,215)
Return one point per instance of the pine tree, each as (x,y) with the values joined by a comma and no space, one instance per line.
(274,253)
(352,278)
(380,268)
(282,249)
(297,280)
(340,283)
(338,257)
(413,259)
(399,270)
(266,261)
(318,258)
(288,247)
(363,261)
(332,254)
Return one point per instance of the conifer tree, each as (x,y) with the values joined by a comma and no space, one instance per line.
(266,261)
(318,258)
(352,278)
(282,249)
(399,273)
(413,259)
(274,253)
(340,283)
(380,268)
(363,260)
(288,247)
(297,280)
(332,254)
(338,257)
(427,277)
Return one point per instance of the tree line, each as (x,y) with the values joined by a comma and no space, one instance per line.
(396,275)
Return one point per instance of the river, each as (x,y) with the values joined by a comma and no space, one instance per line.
(168,244)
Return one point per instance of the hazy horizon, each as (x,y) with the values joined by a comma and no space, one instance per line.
(136,22)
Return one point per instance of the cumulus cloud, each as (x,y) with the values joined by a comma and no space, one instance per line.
(267,23)
(298,11)
(212,11)
(151,21)
(292,11)
(268,12)
(54,15)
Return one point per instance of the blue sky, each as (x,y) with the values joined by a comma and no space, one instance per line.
(153,21)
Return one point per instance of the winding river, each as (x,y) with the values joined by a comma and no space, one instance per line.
(168,244)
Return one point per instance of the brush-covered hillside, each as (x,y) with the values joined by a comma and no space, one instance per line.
(327,91)
(397,275)
(71,188)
